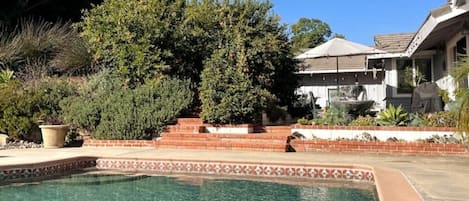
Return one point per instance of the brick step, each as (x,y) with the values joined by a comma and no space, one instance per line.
(184,129)
(263,149)
(225,136)
(189,121)
(209,145)
(212,139)
(221,143)
(255,140)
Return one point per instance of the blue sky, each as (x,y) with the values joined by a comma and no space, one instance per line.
(360,20)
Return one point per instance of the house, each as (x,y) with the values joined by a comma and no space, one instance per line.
(428,55)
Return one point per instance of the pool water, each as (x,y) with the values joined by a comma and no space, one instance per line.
(98,187)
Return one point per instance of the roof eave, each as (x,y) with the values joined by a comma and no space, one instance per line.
(429,25)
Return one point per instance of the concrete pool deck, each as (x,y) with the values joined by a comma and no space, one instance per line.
(435,178)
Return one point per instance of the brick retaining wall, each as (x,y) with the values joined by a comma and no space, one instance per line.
(377,147)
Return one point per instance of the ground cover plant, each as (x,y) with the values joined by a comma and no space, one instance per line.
(109,109)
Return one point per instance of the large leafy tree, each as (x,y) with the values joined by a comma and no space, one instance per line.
(145,39)
(252,57)
(138,38)
(308,33)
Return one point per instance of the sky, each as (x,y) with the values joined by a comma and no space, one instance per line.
(360,20)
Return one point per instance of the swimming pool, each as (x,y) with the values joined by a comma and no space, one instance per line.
(102,187)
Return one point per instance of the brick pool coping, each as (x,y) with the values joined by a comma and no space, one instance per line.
(390,184)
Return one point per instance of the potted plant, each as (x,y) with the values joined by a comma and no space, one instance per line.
(53,131)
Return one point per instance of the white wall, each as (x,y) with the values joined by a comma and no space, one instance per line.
(382,135)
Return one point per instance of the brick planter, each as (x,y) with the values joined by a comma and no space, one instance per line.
(229,128)
(382,133)
(377,147)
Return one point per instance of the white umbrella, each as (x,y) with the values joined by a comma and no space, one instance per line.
(338,47)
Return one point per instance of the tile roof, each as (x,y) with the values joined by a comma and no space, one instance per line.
(393,42)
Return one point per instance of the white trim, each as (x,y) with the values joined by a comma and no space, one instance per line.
(430,24)
(386,56)
(400,54)
(334,71)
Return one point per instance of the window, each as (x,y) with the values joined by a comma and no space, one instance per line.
(459,52)
(424,70)
(412,72)
(404,76)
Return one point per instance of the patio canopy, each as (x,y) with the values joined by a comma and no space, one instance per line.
(338,47)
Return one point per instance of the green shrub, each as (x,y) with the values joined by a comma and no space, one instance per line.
(85,109)
(334,116)
(109,110)
(143,112)
(337,116)
(363,121)
(22,106)
(304,121)
(227,93)
(417,120)
(393,116)
(444,96)
(135,38)
(16,110)
(441,119)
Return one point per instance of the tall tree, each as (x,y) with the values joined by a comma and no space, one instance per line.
(137,39)
(253,59)
(308,33)
(142,39)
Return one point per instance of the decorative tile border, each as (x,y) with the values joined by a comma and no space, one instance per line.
(31,172)
(28,172)
(239,169)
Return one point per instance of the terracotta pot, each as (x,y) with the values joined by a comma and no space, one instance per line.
(53,136)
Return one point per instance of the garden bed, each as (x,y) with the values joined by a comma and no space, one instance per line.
(381,133)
